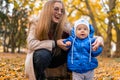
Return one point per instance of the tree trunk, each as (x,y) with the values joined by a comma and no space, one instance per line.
(92,18)
(12,42)
(117,52)
(107,48)
(4,40)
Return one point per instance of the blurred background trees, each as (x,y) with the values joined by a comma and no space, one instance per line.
(14,16)
(104,15)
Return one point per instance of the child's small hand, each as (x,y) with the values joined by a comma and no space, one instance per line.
(68,43)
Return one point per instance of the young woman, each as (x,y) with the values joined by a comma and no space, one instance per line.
(45,40)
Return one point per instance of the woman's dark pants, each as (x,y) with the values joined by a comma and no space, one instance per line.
(43,59)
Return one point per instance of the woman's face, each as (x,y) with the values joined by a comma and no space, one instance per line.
(58,11)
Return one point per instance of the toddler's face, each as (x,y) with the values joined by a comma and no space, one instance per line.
(82,31)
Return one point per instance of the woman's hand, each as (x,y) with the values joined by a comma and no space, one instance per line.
(61,44)
(98,42)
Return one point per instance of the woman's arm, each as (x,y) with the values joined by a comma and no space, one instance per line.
(98,42)
(34,44)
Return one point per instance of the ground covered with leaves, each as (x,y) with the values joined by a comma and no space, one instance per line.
(12,67)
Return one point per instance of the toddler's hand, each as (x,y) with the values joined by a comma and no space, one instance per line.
(68,43)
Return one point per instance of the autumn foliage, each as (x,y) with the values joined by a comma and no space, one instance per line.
(12,67)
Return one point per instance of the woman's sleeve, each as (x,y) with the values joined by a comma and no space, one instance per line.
(34,44)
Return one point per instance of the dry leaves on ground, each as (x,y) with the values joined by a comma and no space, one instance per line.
(12,67)
(108,69)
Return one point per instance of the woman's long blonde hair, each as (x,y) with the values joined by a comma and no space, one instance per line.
(45,19)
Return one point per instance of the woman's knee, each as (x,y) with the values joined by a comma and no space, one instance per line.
(42,56)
